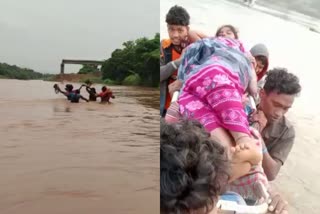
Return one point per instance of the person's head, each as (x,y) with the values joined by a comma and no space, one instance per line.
(262,62)
(69,87)
(193,168)
(261,54)
(104,88)
(227,31)
(278,93)
(93,90)
(178,21)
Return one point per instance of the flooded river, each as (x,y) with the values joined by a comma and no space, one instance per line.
(58,157)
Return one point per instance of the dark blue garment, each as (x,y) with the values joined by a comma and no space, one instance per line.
(74,97)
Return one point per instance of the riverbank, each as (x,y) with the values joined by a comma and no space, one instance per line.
(96,77)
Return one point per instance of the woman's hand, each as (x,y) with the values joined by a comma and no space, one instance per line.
(175,86)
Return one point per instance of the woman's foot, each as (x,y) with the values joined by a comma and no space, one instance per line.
(246,152)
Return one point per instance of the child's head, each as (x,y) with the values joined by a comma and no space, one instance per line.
(104,88)
(227,31)
(93,90)
(178,24)
(193,168)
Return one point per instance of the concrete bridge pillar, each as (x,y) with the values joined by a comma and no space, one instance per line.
(62,68)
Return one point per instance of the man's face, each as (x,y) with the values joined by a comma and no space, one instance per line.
(177,33)
(259,67)
(275,105)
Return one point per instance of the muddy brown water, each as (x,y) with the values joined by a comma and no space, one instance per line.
(58,157)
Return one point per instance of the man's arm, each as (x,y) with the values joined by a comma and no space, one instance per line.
(81,87)
(101,94)
(84,98)
(88,89)
(166,70)
(270,166)
(58,89)
(275,158)
(196,35)
(175,86)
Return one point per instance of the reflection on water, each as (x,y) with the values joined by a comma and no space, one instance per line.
(60,157)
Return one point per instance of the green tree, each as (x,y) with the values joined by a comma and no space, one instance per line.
(139,59)
(88,69)
(15,72)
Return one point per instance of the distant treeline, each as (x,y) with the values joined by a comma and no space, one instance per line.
(15,72)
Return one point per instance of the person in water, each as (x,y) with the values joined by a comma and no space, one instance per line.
(92,93)
(68,89)
(105,95)
(194,172)
(76,96)
(73,95)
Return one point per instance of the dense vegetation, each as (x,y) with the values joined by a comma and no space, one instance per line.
(15,72)
(88,69)
(137,63)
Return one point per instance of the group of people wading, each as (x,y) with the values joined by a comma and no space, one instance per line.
(74,95)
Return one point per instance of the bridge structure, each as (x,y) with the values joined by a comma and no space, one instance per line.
(79,62)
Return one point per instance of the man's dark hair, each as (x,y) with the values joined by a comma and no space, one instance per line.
(280,81)
(178,16)
(262,59)
(193,168)
(69,87)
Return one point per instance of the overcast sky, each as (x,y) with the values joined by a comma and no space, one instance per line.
(38,34)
